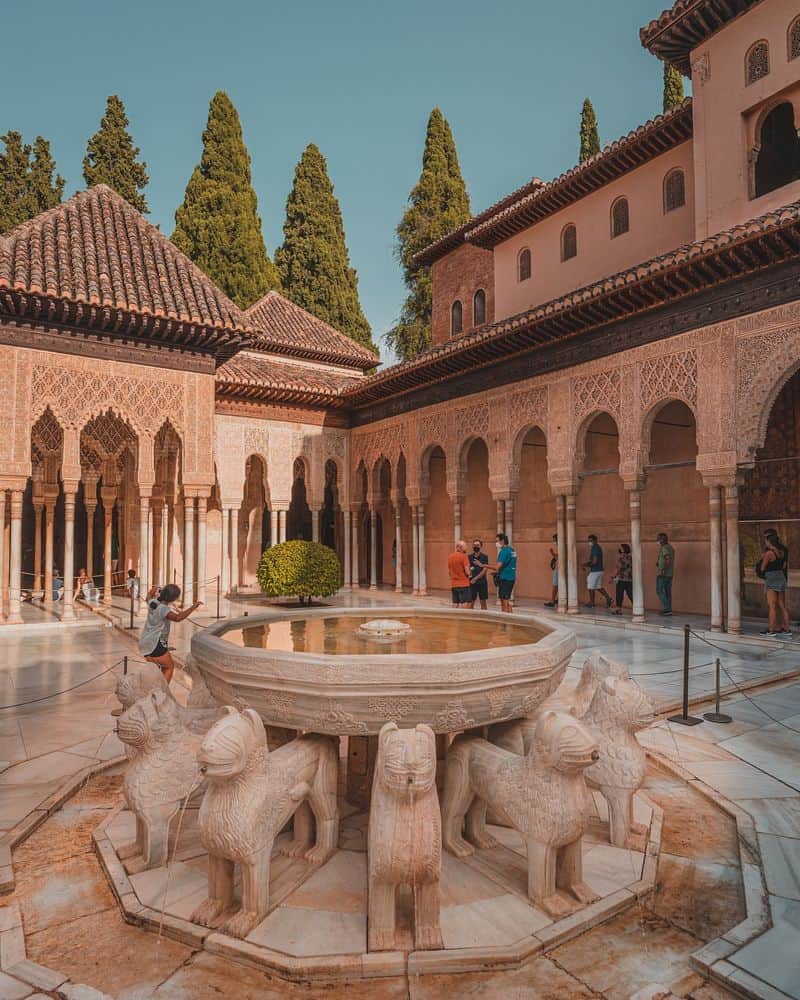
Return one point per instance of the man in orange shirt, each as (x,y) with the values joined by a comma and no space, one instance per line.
(458,567)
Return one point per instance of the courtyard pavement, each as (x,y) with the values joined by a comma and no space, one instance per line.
(753,761)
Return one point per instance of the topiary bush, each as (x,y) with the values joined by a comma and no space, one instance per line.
(304,569)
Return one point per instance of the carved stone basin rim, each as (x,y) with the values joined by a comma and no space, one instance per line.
(356,694)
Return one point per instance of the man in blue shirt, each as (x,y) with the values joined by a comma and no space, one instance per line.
(506,569)
(594,574)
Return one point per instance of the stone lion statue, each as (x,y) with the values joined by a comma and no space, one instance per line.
(162,772)
(250,797)
(542,795)
(405,836)
(617,711)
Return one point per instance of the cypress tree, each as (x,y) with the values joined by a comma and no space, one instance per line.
(45,191)
(590,138)
(313,262)
(218,225)
(111,157)
(673,87)
(27,186)
(438,204)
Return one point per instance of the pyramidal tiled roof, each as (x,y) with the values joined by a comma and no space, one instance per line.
(255,376)
(281,326)
(96,261)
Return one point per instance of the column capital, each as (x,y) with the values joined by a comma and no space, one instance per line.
(635,483)
(70,487)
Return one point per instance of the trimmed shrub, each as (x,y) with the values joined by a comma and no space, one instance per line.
(304,569)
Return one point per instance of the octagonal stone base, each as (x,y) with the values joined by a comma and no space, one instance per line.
(317,925)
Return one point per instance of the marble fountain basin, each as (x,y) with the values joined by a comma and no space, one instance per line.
(320,671)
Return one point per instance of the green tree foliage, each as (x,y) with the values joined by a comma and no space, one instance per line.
(438,204)
(673,87)
(111,157)
(313,262)
(218,225)
(27,184)
(590,137)
(302,569)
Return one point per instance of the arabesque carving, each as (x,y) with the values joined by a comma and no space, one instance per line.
(405,837)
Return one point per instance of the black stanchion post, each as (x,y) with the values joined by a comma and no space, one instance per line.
(717,716)
(124,664)
(684,718)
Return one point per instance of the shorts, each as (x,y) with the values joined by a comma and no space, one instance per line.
(505,588)
(160,650)
(555,577)
(461,595)
(594,581)
(479,591)
(775,579)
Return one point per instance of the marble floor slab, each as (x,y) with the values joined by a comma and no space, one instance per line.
(298,931)
(502,920)
(738,780)
(778,816)
(774,957)
(781,860)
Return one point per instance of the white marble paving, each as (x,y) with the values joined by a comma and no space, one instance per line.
(775,956)
(781,859)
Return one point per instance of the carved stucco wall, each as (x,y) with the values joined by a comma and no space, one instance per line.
(76,389)
(728,375)
(278,445)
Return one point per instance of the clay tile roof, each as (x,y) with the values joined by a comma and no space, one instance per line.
(751,246)
(686,24)
(285,328)
(251,375)
(536,200)
(94,261)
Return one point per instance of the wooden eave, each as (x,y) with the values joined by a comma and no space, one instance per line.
(678,31)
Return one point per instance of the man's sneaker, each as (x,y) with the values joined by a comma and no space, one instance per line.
(589,607)
(666,614)
(549,604)
(774,635)
(765,631)
(787,633)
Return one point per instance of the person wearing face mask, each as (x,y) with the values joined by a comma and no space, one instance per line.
(506,571)
(478,568)
(458,568)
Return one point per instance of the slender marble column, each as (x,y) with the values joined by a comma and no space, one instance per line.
(457,521)
(373,553)
(282,514)
(225,580)
(315,524)
(273,526)
(572,559)
(509,520)
(415,550)
(144,544)
(202,526)
(108,510)
(501,517)
(734,559)
(15,567)
(398,551)
(2,550)
(37,546)
(423,569)
(347,579)
(561,549)
(635,501)
(715,547)
(49,517)
(68,611)
(170,544)
(188,551)
(91,506)
(234,549)
(163,559)
(356,564)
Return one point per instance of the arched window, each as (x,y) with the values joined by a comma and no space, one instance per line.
(674,191)
(479,308)
(620,219)
(456,318)
(793,44)
(756,63)
(569,242)
(524,265)
(778,160)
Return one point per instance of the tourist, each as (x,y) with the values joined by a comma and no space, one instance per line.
(594,573)
(623,578)
(155,631)
(505,571)
(58,586)
(458,567)
(132,585)
(665,569)
(774,568)
(85,589)
(554,570)
(478,568)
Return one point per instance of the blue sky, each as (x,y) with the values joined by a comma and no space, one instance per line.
(358,78)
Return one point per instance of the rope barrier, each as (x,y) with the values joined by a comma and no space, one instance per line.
(756,705)
(714,645)
(56,694)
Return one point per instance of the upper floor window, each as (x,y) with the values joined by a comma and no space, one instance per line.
(620,219)
(569,242)
(524,265)
(778,159)
(456,318)
(794,39)
(756,63)
(479,308)
(674,190)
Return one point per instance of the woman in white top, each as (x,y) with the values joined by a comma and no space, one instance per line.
(155,631)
